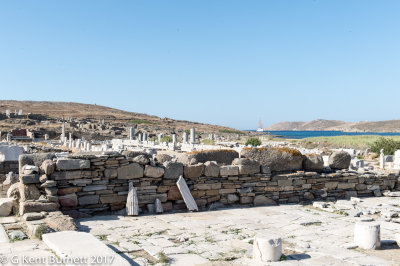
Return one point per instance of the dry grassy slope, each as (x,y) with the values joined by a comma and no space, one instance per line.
(80,110)
(321,124)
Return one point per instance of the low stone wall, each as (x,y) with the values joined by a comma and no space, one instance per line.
(89,183)
(6,167)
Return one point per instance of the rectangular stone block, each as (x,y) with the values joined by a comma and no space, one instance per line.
(72,164)
(66,175)
(130,171)
(94,187)
(112,198)
(229,170)
(87,200)
(30,179)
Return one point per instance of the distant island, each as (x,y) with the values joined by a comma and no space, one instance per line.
(337,125)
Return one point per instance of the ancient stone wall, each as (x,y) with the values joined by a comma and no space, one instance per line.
(6,167)
(91,183)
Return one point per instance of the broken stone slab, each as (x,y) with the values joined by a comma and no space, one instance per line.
(33,216)
(72,244)
(132,204)
(267,248)
(6,205)
(187,197)
(48,167)
(391,193)
(72,164)
(367,235)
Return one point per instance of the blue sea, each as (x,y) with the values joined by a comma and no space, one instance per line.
(308,134)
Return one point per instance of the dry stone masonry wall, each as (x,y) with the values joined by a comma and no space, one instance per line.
(96,183)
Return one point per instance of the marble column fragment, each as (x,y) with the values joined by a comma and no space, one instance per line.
(187,197)
(132,204)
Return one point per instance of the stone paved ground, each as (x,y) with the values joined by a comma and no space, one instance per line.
(311,236)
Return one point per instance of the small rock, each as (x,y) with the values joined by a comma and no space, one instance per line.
(17,235)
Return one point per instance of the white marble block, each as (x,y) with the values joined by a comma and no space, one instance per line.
(367,235)
(187,197)
(267,248)
(132,205)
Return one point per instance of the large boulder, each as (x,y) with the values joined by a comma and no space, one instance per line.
(219,156)
(247,166)
(339,160)
(313,162)
(278,159)
(34,159)
(173,170)
(48,167)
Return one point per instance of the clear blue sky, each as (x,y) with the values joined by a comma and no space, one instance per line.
(221,62)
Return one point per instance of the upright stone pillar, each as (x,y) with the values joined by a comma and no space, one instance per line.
(160,137)
(174,138)
(186,195)
(132,204)
(63,131)
(8,113)
(382,159)
(131,133)
(267,248)
(185,137)
(46,136)
(140,136)
(159,207)
(144,136)
(192,135)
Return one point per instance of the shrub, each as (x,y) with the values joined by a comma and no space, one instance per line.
(140,121)
(166,139)
(229,131)
(389,145)
(208,142)
(253,142)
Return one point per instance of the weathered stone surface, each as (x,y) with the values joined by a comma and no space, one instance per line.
(110,173)
(277,159)
(232,198)
(34,206)
(313,162)
(261,200)
(150,198)
(132,203)
(68,190)
(72,164)
(13,191)
(60,222)
(211,169)
(67,175)
(32,216)
(48,167)
(173,170)
(49,183)
(69,200)
(187,197)
(174,193)
(6,205)
(229,170)
(141,159)
(87,200)
(30,179)
(104,199)
(162,158)
(52,191)
(94,188)
(339,160)
(28,192)
(152,171)
(193,171)
(34,159)
(247,166)
(219,156)
(130,171)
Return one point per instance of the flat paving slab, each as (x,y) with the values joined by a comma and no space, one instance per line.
(82,248)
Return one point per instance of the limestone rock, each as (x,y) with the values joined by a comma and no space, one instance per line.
(276,158)
(187,197)
(30,179)
(267,248)
(173,170)
(32,216)
(141,159)
(6,205)
(49,183)
(261,200)
(72,164)
(229,170)
(339,160)
(17,235)
(247,166)
(69,200)
(110,173)
(48,167)
(232,198)
(313,162)
(28,192)
(88,200)
(13,191)
(30,169)
(193,171)
(174,193)
(34,159)
(33,206)
(130,171)
(211,169)
(132,203)
(162,158)
(220,156)
(60,222)
(152,171)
